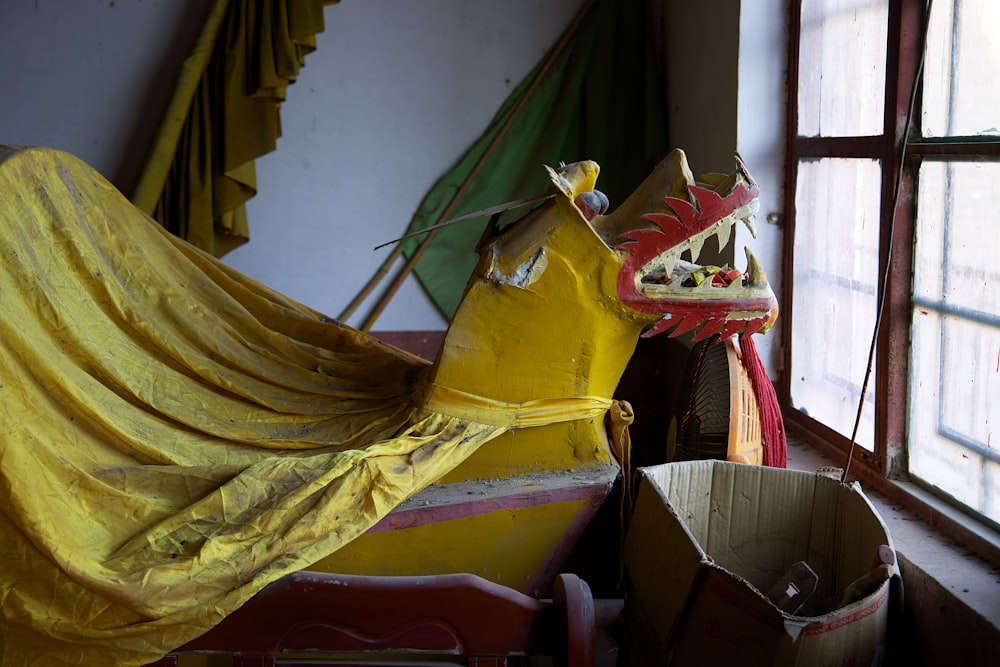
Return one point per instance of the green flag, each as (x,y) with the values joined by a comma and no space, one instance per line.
(597,95)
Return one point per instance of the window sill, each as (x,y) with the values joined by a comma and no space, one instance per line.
(951,596)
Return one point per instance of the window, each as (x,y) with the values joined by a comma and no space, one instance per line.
(893,227)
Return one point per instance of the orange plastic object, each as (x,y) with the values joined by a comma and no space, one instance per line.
(745,442)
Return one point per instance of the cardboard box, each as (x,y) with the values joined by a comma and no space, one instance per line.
(709,539)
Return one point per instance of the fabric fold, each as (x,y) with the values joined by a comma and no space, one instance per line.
(223,116)
(175,435)
(537,412)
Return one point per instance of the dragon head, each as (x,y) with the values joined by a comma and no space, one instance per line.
(661,237)
(559,296)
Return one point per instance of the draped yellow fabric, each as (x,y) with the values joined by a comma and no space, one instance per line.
(223,116)
(174,435)
(536,412)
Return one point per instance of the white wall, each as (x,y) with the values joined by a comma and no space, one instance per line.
(760,139)
(725,62)
(701,53)
(392,97)
(92,77)
(395,92)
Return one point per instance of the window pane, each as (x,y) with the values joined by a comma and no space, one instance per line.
(842,67)
(961,97)
(834,300)
(955,352)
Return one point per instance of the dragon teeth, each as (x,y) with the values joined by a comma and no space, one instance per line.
(749,222)
(695,246)
(669,260)
(723,235)
(756,276)
(705,286)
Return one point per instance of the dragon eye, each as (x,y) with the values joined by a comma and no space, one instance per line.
(605,204)
(592,204)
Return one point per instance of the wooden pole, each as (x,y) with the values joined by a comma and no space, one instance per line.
(408,267)
(382,271)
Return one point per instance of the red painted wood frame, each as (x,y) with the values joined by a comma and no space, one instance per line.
(377,620)
(888,460)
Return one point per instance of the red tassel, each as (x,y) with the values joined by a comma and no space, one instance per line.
(772,424)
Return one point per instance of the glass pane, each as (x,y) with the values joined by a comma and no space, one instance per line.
(842,67)
(961,97)
(835,295)
(954,441)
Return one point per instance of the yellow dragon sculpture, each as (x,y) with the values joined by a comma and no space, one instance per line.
(176,436)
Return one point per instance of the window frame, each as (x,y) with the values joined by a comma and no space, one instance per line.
(885,468)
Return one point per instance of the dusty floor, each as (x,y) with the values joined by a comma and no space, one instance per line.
(606,644)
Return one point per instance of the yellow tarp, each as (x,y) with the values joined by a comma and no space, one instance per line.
(174,435)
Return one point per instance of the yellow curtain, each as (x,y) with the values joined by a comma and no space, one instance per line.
(224,115)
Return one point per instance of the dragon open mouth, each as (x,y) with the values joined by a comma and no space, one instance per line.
(660,275)
(675,272)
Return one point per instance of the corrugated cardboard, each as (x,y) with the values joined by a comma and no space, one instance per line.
(707,537)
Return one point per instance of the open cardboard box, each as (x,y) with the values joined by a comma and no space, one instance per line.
(709,540)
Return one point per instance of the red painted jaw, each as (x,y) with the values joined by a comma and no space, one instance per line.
(708,300)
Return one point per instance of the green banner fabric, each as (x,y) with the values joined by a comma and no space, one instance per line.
(597,95)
